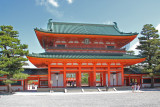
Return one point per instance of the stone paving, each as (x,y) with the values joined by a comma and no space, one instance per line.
(90,99)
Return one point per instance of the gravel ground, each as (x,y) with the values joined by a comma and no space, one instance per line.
(125,99)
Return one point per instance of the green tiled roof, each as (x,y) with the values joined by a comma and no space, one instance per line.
(72,56)
(87,29)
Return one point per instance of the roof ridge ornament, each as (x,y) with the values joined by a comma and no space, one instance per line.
(50,24)
(115,23)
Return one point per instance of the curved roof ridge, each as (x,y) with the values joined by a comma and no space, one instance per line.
(84,23)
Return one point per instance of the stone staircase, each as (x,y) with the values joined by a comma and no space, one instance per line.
(73,90)
(83,89)
(123,88)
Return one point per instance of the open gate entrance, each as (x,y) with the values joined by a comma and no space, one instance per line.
(85,79)
(71,79)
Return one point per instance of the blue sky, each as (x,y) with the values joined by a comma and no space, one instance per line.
(25,15)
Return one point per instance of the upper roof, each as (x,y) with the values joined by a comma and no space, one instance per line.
(84,28)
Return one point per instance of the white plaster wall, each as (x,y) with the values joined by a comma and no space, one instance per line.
(149,85)
(3,87)
(146,85)
(156,84)
(111,80)
(60,79)
(119,79)
(43,86)
(106,79)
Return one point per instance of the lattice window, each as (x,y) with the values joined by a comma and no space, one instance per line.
(107,42)
(118,64)
(53,63)
(104,63)
(98,64)
(84,63)
(112,63)
(90,63)
(59,63)
(75,63)
(69,63)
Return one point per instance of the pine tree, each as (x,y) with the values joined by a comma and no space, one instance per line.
(150,47)
(130,52)
(12,56)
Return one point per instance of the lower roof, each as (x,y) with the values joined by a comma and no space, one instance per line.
(36,71)
(91,56)
(44,71)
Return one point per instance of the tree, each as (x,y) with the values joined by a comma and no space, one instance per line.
(130,52)
(150,47)
(12,54)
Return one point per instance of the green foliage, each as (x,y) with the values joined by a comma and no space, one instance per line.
(150,47)
(12,54)
(84,78)
(130,52)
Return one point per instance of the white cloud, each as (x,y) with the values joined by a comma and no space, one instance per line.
(133,47)
(47,2)
(158,28)
(51,6)
(70,1)
(53,3)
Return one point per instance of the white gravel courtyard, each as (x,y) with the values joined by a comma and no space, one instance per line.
(92,99)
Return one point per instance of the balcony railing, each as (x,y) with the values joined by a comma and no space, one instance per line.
(84,48)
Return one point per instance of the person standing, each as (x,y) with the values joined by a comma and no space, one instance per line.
(132,88)
(135,87)
(138,87)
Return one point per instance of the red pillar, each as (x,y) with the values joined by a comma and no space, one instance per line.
(49,76)
(90,79)
(77,79)
(79,76)
(101,79)
(38,82)
(23,85)
(108,74)
(129,80)
(64,76)
(141,80)
(122,76)
(104,78)
(94,76)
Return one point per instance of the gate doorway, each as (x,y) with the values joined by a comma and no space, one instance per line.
(85,79)
(99,79)
(31,85)
(71,79)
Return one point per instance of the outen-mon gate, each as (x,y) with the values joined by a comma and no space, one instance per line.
(76,48)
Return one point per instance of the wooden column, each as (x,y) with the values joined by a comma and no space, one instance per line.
(49,76)
(38,82)
(64,76)
(79,76)
(141,80)
(23,85)
(77,82)
(129,80)
(104,78)
(94,76)
(101,79)
(122,76)
(90,79)
(108,74)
